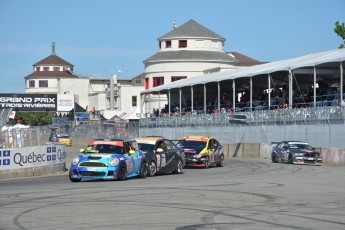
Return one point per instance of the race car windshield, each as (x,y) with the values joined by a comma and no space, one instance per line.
(105,149)
(146,147)
(303,146)
(199,145)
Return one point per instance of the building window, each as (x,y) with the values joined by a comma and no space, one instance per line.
(167,44)
(157,81)
(146,83)
(38,69)
(134,100)
(43,83)
(182,43)
(176,78)
(56,68)
(45,68)
(31,84)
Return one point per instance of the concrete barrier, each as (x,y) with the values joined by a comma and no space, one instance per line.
(266,150)
(235,150)
(333,156)
(32,161)
(251,150)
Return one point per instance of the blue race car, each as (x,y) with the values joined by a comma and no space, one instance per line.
(116,159)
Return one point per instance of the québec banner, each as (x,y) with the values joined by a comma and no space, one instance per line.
(37,102)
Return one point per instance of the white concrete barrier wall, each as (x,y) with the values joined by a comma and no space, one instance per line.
(331,156)
(29,161)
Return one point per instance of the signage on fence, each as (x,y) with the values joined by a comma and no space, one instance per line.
(237,119)
(37,102)
(18,158)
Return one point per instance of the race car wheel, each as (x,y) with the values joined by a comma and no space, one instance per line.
(274,160)
(221,160)
(207,164)
(290,159)
(73,179)
(152,169)
(143,170)
(178,168)
(122,172)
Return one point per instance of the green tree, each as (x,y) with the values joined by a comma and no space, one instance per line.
(340,31)
(35,118)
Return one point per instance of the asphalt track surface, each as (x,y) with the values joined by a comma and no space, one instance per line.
(244,194)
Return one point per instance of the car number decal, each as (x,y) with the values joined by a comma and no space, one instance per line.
(163,160)
(129,166)
(158,157)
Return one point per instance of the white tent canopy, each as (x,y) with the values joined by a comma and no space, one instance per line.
(310,60)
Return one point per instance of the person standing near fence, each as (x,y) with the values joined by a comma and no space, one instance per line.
(6,135)
(20,128)
(93,111)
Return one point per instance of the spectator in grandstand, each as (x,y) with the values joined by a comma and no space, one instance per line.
(223,111)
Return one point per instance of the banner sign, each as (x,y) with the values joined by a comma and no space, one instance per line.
(37,102)
(18,158)
(65,102)
(237,119)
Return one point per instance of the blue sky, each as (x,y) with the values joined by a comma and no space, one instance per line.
(104,36)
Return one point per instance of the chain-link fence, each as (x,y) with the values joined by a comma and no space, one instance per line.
(38,135)
(289,116)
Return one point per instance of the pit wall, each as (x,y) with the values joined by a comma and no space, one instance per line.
(331,156)
(32,161)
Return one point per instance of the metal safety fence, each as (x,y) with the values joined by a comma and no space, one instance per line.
(289,116)
(38,135)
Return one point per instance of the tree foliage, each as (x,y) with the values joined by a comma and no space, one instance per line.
(340,31)
(34,118)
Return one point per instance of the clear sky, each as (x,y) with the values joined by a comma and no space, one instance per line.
(102,37)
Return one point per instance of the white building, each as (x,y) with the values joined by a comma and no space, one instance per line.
(54,75)
(187,51)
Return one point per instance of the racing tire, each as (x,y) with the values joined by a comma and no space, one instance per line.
(151,169)
(290,159)
(274,160)
(143,170)
(73,179)
(178,168)
(121,176)
(221,161)
(207,163)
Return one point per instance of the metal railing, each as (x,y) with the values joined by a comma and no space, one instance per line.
(318,114)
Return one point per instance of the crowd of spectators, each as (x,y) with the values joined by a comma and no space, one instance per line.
(279,100)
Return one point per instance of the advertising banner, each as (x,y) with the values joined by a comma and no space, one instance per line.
(28,102)
(18,158)
(65,102)
(37,102)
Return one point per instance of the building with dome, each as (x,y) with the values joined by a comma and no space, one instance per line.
(187,51)
(109,96)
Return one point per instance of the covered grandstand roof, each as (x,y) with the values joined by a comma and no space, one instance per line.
(307,61)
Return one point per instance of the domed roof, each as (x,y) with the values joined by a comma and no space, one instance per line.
(191,29)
